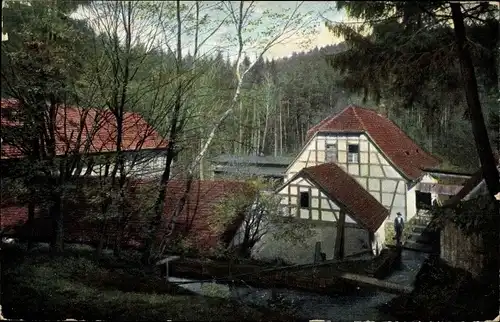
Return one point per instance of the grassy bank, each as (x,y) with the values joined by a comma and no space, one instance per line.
(76,286)
(390,233)
(444,293)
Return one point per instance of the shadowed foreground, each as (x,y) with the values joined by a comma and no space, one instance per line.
(73,285)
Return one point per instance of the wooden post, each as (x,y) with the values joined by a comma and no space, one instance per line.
(371,241)
(340,238)
(166,261)
(317,252)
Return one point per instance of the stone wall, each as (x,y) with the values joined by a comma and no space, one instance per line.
(269,248)
(459,250)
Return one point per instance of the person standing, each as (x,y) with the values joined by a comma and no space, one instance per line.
(399,225)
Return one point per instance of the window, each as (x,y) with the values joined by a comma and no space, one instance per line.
(353,153)
(331,153)
(304,200)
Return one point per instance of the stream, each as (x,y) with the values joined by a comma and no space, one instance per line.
(354,307)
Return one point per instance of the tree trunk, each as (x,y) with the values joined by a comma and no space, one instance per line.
(266,125)
(485,153)
(202,168)
(242,124)
(159,204)
(275,137)
(120,226)
(256,130)
(281,129)
(298,139)
(106,202)
(31,221)
(102,236)
(57,244)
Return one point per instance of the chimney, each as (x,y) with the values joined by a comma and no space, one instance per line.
(383,110)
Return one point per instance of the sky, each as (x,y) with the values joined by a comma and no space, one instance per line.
(322,37)
(267,20)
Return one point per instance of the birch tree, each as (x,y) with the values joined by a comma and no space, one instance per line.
(177,121)
(240,18)
(243,19)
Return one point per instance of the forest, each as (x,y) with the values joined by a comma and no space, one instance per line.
(280,98)
(432,68)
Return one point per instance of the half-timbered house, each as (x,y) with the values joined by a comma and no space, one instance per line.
(356,171)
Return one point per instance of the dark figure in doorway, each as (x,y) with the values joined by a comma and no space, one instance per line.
(399,225)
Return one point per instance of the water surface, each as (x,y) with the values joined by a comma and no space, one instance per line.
(362,305)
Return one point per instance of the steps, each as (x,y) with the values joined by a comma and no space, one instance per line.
(420,247)
(420,239)
(419,228)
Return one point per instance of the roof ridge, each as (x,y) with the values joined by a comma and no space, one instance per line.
(330,118)
(359,118)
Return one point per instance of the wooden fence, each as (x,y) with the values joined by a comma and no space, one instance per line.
(468,255)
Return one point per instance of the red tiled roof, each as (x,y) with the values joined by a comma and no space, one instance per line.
(197,215)
(404,153)
(98,129)
(347,193)
(194,222)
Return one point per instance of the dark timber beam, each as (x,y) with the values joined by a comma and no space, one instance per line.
(340,238)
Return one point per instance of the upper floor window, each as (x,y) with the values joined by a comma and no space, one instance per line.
(331,153)
(353,153)
(304,199)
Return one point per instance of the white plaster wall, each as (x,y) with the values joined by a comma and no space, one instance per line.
(268,248)
(378,242)
(143,168)
(411,203)
(430,179)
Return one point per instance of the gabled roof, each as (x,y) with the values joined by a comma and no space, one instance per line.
(348,194)
(400,149)
(98,131)
(194,222)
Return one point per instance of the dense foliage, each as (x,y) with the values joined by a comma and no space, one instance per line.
(403,55)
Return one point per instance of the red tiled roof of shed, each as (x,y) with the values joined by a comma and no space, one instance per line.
(97,127)
(194,221)
(199,210)
(401,150)
(348,193)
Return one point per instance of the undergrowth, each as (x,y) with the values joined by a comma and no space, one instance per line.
(76,286)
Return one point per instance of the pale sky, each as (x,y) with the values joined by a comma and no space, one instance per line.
(268,26)
(321,37)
